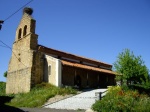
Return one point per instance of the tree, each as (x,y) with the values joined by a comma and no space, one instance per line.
(131,67)
(5,74)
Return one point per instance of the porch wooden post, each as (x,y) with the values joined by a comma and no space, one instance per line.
(75,77)
(87,78)
(98,80)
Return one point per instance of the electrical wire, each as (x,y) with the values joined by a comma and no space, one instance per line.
(17,10)
(12,52)
(3,46)
(6,46)
(14,49)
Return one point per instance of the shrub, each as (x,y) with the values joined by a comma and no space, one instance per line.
(2,88)
(119,100)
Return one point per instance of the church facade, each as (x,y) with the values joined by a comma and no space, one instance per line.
(31,64)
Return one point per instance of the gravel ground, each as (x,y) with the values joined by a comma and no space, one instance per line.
(80,101)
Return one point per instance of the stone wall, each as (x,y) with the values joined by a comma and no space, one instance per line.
(28,21)
(37,68)
(18,81)
(26,65)
(25,73)
(20,67)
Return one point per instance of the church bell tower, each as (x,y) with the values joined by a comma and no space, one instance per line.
(24,66)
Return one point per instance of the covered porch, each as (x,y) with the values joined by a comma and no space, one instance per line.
(84,76)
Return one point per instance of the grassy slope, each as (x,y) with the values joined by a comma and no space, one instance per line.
(38,95)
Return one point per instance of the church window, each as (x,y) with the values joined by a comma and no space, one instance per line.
(49,70)
(19,34)
(25,30)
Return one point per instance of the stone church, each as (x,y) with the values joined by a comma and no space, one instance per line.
(31,64)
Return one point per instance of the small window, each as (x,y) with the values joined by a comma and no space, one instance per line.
(49,70)
(25,30)
(19,34)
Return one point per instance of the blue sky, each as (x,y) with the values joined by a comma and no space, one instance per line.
(96,29)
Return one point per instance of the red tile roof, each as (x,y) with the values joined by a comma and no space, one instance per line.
(87,67)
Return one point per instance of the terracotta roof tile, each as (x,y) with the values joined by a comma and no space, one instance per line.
(87,67)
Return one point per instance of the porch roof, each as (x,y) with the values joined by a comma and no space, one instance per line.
(87,67)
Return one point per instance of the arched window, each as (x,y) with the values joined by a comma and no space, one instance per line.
(19,34)
(25,30)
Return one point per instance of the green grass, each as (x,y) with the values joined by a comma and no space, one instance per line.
(38,95)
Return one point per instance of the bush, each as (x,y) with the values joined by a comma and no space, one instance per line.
(141,88)
(120,100)
(2,88)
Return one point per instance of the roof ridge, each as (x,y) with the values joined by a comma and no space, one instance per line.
(41,48)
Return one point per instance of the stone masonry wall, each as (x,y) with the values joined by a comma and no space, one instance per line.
(20,66)
(37,68)
(25,66)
